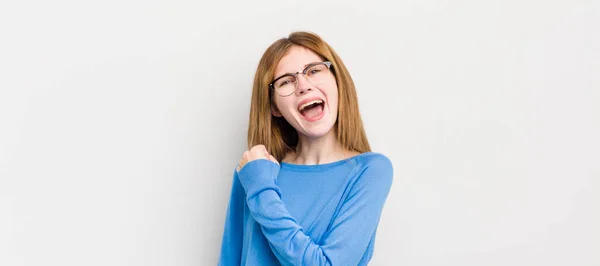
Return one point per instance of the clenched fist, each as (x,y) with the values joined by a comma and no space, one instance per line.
(255,153)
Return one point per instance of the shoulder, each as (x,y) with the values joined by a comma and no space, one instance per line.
(376,161)
(376,167)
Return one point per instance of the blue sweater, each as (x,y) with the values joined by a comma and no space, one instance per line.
(292,214)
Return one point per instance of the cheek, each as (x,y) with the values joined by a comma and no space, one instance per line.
(332,94)
(284,107)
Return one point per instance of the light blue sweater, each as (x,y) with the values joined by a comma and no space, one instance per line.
(291,214)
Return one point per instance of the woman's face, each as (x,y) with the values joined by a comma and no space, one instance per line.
(314,120)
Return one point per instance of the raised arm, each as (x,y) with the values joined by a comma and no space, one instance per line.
(351,230)
(231,245)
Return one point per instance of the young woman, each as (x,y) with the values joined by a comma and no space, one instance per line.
(309,191)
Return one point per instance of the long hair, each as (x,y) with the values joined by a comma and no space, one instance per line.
(276,133)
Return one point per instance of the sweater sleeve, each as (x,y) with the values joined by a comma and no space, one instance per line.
(231,245)
(350,231)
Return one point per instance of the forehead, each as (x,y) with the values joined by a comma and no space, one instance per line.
(295,59)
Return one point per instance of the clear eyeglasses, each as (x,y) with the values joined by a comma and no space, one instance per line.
(314,73)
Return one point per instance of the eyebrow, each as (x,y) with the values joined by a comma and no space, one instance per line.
(314,62)
(290,73)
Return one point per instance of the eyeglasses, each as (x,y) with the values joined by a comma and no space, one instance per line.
(315,73)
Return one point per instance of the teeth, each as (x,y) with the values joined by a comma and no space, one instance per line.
(309,103)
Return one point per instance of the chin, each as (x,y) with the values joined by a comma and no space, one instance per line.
(314,128)
(317,132)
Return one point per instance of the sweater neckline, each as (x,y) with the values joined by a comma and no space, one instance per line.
(313,167)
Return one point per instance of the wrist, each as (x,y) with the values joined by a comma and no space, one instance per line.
(259,175)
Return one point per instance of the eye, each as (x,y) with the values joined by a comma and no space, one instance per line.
(285,81)
(313,70)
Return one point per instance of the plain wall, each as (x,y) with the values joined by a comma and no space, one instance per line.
(121,123)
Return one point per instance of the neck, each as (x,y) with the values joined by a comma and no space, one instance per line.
(322,150)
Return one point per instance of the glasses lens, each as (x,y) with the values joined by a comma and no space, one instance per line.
(317,73)
(285,85)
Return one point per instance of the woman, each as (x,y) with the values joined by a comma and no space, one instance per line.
(309,191)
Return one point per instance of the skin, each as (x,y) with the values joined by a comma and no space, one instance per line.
(317,142)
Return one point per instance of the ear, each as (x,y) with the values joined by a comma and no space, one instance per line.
(274,111)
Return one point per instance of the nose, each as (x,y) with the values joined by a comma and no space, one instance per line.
(303,84)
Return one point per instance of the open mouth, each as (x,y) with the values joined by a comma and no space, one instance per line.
(312,110)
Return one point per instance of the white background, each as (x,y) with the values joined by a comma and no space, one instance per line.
(121,123)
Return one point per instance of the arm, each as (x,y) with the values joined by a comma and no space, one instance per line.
(350,231)
(231,246)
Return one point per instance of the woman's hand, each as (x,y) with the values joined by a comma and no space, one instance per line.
(255,153)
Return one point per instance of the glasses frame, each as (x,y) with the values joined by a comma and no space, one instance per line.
(295,75)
